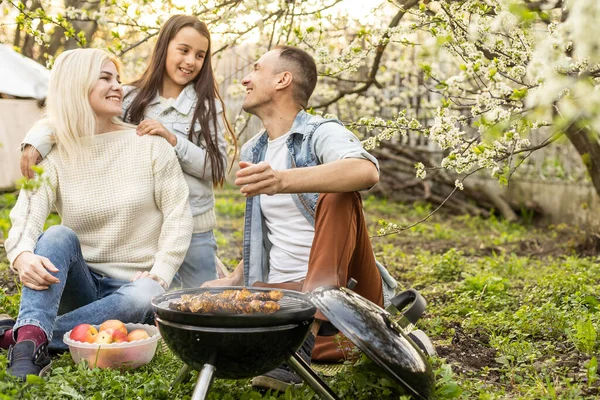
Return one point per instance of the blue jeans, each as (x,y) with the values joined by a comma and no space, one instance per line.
(81,296)
(200,263)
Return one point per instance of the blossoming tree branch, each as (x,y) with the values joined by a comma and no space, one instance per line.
(481,84)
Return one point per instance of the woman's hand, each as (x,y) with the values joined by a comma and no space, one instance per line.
(146,274)
(153,127)
(33,271)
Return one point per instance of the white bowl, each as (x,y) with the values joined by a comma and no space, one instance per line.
(116,355)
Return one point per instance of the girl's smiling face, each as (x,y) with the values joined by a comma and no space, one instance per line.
(185,56)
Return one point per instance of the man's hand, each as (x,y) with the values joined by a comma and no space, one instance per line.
(236,278)
(227,281)
(33,271)
(146,274)
(29,157)
(259,178)
(153,127)
(345,175)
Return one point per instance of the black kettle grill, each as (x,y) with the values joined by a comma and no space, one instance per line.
(247,345)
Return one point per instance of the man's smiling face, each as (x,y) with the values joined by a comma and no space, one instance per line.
(261,82)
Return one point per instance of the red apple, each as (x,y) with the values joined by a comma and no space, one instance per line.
(113,324)
(103,337)
(137,334)
(119,336)
(84,333)
(116,335)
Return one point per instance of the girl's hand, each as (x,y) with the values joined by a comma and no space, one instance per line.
(29,157)
(33,271)
(146,274)
(153,127)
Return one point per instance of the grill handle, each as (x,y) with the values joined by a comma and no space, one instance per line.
(351,283)
(416,309)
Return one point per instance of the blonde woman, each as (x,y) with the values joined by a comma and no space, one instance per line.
(126,221)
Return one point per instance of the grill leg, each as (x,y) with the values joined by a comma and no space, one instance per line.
(182,376)
(203,384)
(311,378)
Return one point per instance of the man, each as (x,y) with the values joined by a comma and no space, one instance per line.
(304,225)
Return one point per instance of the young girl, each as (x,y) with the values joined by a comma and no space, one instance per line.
(177,98)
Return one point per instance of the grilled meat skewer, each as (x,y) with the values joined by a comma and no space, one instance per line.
(230,302)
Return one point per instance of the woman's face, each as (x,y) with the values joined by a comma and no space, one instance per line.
(185,56)
(107,94)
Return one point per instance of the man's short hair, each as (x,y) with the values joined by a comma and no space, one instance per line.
(303,68)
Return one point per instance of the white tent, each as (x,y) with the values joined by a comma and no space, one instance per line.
(21,76)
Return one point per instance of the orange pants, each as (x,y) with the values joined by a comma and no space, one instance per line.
(341,250)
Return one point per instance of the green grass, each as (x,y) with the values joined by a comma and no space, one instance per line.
(512,309)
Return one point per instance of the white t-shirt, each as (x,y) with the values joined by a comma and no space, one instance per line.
(288,230)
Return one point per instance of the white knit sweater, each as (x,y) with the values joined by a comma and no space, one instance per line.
(127,202)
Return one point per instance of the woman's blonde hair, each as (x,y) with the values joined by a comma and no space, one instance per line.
(68,108)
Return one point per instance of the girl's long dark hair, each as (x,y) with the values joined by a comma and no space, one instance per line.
(205,86)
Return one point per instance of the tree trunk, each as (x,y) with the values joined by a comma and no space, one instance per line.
(588,147)
(58,41)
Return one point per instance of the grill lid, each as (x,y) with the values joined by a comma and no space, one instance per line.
(371,329)
(295,308)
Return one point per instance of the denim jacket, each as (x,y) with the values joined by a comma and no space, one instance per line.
(176,119)
(313,141)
